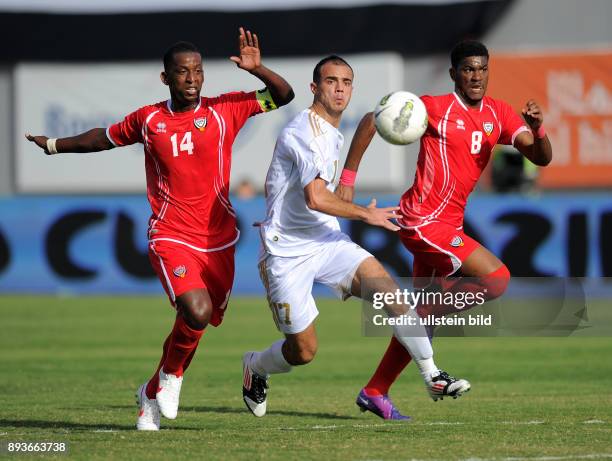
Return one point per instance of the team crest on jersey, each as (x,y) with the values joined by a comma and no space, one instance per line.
(180,271)
(460,124)
(200,123)
(488,127)
(160,127)
(456,241)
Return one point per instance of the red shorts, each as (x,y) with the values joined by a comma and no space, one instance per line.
(437,247)
(181,269)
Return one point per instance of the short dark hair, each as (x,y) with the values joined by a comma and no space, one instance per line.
(465,49)
(316,73)
(178,47)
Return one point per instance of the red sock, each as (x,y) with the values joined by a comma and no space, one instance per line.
(188,359)
(153,383)
(182,346)
(393,362)
(179,349)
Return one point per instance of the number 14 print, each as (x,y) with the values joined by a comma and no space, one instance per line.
(185,144)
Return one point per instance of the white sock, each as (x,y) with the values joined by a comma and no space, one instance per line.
(416,342)
(421,352)
(271,361)
(413,336)
(427,368)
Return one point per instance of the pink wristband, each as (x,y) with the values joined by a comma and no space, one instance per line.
(541,132)
(347,178)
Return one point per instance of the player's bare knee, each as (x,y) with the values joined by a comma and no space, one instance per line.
(196,309)
(199,317)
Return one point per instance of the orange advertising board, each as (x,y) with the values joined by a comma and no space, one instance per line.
(575,93)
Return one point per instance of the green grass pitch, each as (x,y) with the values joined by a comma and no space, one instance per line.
(70,367)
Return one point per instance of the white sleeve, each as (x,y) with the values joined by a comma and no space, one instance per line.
(307,159)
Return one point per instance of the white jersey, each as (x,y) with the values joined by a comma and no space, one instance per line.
(307,148)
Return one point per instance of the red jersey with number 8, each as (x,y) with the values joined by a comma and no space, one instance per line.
(454,151)
(187,162)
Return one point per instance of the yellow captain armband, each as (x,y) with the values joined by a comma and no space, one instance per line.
(264,98)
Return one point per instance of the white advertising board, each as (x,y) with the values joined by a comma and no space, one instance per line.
(60,100)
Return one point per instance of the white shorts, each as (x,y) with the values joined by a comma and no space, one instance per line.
(289,280)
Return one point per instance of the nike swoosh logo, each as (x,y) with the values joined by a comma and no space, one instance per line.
(381,111)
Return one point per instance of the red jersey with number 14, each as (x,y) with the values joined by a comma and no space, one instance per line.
(187,162)
(455,149)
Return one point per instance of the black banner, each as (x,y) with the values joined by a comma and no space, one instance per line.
(411,30)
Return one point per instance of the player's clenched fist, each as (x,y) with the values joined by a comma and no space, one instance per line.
(533,114)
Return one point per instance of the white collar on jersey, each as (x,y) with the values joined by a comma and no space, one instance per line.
(169,106)
(462,104)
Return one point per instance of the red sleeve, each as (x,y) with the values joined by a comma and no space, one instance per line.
(511,123)
(243,105)
(129,130)
(431,104)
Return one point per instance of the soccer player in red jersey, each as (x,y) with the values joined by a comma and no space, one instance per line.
(463,128)
(192,230)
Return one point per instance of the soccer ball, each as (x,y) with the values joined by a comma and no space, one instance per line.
(400,118)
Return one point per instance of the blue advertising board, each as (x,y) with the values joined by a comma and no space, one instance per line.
(97,244)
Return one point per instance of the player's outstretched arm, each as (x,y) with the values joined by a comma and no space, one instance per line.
(93,140)
(250,60)
(361,140)
(319,198)
(535,145)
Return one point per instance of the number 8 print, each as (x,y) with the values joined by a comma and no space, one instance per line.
(476,142)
